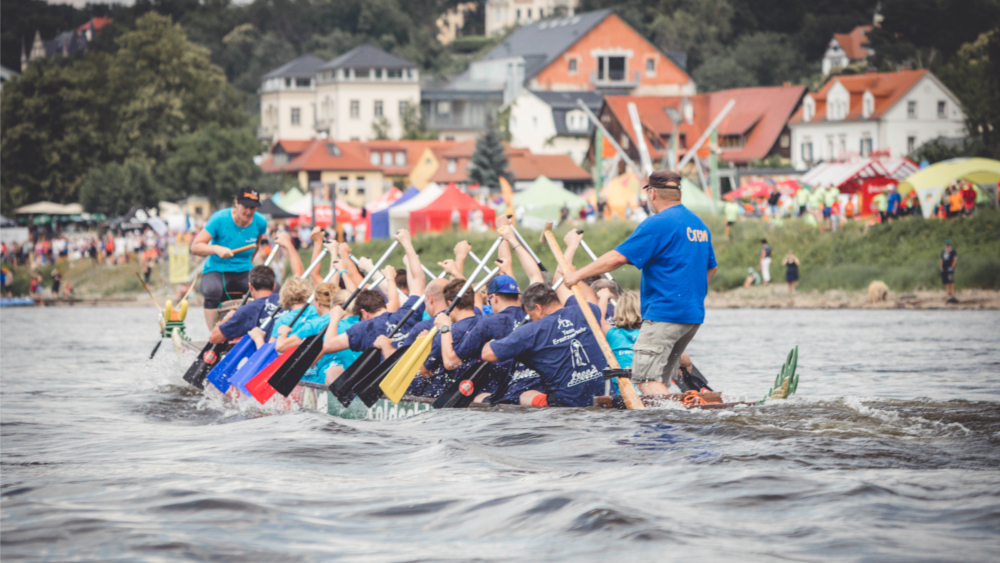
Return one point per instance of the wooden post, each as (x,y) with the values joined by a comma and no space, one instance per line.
(632,400)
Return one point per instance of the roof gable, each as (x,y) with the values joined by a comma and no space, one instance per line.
(886,87)
(301,67)
(323,155)
(855,43)
(542,42)
(367,56)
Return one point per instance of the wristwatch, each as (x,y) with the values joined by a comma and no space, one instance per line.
(444,329)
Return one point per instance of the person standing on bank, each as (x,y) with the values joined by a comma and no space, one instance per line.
(673,248)
(765,261)
(791,263)
(948,260)
(226,275)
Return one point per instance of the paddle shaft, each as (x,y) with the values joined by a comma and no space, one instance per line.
(150,292)
(521,241)
(593,258)
(632,400)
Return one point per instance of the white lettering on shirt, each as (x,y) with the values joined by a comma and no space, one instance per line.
(584,376)
(569,335)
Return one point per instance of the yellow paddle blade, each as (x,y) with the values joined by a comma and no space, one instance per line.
(398,381)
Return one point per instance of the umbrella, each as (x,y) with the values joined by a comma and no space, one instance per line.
(751,190)
(931,181)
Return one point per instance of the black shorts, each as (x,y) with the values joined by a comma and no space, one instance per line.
(730,223)
(217,287)
(948,276)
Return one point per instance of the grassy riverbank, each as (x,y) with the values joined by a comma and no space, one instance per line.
(903,254)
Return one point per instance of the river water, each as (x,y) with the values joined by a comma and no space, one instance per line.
(890,452)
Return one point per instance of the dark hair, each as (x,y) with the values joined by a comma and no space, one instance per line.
(465,303)
(401,280)
(763,241)
(538,294)
(370,300)
(262,277)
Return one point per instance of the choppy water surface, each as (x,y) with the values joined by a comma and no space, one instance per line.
(889,453)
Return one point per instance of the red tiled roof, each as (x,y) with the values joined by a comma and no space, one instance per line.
(552,166)
(290,147)
(317,157)
(855,43)
(886,87)
(98,24)
(760,114)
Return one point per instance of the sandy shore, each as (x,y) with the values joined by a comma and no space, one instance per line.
(777,297)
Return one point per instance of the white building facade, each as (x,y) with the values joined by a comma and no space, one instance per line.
(343,99)
(552,123)
(886,113)
(502,14)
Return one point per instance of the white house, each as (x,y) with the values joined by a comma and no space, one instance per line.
(889,113)
(501,14)
(341,99)
(288,100)
(552,122)
(847,48)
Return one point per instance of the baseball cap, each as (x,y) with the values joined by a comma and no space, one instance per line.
(948,242)
(503,284)
(248,197)
(664,179)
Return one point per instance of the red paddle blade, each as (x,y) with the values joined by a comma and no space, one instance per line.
(259,387)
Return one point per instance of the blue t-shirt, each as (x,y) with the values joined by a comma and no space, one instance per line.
(362,335)
(674,251)
(288,316)
(345,357)
(225,233)
(563,350)
(893,202)
(622,342)
(316,325)
(257,313)
(490,327)
(411,335)
(441,378)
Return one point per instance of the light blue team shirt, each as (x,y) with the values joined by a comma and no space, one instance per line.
(345,357)
(622,342)
(286,318)
(673,248)
(226,233)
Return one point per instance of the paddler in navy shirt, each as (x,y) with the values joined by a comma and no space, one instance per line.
(673,248)
(452,328)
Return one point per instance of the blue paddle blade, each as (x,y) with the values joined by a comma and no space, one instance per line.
(220,374)
(258,361)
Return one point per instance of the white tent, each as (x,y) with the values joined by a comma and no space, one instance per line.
(399,216)
(49,208)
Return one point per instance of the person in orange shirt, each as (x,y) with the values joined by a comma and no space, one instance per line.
(955,203)
(849,209)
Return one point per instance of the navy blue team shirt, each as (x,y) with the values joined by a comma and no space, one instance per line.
(362,335)
(563,350)
(674,251)
(257,313)
(441,378)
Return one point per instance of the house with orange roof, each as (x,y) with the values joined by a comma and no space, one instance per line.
(756,127)
(523,164)
(885,113)
(595,51)
(343,168)
(847,48)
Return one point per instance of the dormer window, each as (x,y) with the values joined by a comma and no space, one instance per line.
(808,109)
(332,149)
(576,121)
(868,104)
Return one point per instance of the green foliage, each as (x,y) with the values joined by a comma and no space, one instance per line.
(415,125)
(213,162)
(22,18)
(380,128)
(66,115)
(489,160)
(938,149)
(115,189)
(974,76)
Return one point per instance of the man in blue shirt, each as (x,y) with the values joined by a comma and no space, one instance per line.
(673,248)
(225,275)
(436,377)
(256,313)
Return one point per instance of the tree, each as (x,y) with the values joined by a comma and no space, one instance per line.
(723,72)
(213,162)
(489,160)
(415,126)
(114,189)
(380,128)
(974,76)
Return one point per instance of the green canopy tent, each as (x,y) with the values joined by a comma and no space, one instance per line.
(544,199)
(695,199)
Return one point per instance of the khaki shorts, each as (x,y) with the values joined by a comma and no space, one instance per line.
(657,352)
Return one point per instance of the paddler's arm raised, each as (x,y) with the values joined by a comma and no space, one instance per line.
(416,281)
(317,238)
(527,262)
(284,240)
(391,294)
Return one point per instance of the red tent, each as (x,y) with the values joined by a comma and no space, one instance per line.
(436,216)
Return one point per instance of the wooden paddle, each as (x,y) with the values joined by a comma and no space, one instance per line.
(628,393)
(288,376)
(396,383)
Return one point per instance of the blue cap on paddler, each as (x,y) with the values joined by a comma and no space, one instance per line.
(503,284)
(248,197)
